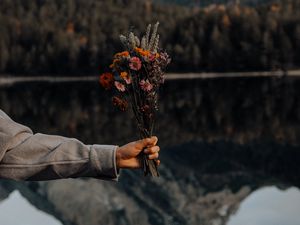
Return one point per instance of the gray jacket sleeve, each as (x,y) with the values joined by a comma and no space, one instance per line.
(28,156)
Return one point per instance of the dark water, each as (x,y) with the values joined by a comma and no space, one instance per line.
(230,148)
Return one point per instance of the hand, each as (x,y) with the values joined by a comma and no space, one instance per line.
(127,154)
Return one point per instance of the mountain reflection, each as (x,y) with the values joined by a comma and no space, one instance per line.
(16,210)
(220,143)
(269,206)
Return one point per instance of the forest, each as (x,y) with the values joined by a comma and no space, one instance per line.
(78,37)
(209,2)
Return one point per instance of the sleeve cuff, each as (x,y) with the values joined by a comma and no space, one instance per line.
(103,161)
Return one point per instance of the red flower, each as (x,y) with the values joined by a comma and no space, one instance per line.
(106,80)
(120,103)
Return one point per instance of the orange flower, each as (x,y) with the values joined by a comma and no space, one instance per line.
(124,54)
(152,57)
(125,77)
(106,80)
(124,74)
(114,63)
(142,52)
(121,54)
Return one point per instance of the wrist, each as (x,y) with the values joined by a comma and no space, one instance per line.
(118,157)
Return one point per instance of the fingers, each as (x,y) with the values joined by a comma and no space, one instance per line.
(152,152)
(151,149)
(153,156)
(147,142)
(127,155)
(154,140)
(157,162)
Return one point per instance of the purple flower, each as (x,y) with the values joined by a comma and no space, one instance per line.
(135,63)
(120,86)
(146,85)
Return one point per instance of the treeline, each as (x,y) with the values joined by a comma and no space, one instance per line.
(239,38)
(79,37)
(209,2)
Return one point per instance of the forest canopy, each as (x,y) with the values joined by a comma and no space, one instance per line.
(78,37)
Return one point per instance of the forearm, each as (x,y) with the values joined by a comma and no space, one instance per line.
(46,157)
(28,156)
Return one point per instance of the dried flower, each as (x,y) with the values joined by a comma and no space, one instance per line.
(123,40)
(147,36)
(145,108)
(115,63)
(122,54)
(156,42)
(131,39)
(152,57)
(139,72)
(146,85)
(153,37)
(135,63)
(106,80)
(122,104)
(164,59)
(137,41)
(142,52)
(125,76)
(143,43)
(120,86)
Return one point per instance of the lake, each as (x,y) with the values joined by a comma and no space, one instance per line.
(229,151)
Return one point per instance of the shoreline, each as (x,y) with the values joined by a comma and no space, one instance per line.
(9,80)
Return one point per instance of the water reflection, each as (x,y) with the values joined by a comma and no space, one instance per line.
(221,141)
(269,206)
(16,210)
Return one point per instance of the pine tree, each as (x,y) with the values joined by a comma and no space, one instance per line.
(4,56)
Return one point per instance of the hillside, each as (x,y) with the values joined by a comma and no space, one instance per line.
(208,2)
(79,37)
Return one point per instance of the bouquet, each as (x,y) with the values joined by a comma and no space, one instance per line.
(135,77)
